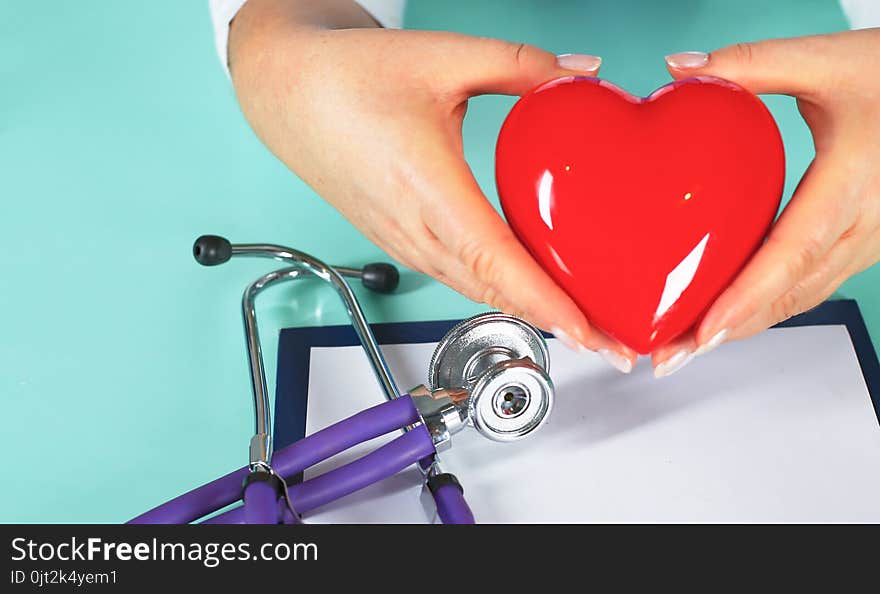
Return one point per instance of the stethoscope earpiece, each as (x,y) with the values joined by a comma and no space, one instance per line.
(380,277)
(211,250)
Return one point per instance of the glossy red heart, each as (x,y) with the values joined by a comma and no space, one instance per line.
(642,210)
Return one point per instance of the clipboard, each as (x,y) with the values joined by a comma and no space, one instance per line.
(708,444)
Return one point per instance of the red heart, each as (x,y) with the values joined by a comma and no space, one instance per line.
(642,210)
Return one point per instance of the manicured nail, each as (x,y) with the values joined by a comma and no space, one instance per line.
(685,60)
(712,343)
(567,340)
(616,360)
(581,62)
(673,363)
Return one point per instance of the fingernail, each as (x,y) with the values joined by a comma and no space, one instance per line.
(567,340)
(616,360)
(582,62)
(673,363)
(712,342)
(684,60)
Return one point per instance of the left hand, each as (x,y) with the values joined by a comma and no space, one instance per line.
(830,230)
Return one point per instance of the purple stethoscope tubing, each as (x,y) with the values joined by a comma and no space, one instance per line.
(260,503)
(382,463)
(376,466)
(451,505)
(290,461)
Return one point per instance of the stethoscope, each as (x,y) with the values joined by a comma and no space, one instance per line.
(489,372)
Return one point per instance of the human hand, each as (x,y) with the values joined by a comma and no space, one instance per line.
(371,119)
(831,228)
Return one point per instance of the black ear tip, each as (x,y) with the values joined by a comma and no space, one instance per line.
(211,250)
(381,277)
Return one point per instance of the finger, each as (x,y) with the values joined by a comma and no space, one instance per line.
(827,276)
(484,65)
(456,276)
(793,66)
(391,245)
(674,355)
(871,253)
(443,265)
(437,261)
(806,231)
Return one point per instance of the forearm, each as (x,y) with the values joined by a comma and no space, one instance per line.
(259,21)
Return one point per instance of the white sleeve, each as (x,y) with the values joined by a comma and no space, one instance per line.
(388,13)
(861,13)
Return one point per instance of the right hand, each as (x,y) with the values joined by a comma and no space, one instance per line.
(371,119)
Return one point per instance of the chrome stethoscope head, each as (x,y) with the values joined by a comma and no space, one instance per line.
(489,371)
(504,365)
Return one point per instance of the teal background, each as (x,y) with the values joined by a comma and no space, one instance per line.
(122,373)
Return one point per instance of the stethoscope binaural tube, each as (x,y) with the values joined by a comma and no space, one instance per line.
(211,250)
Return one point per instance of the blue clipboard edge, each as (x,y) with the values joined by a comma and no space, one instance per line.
(295,344)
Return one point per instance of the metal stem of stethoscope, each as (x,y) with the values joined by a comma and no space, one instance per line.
(261,442)
(211,250)
(332,276)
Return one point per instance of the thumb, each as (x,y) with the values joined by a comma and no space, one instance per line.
(495,66)
(794,66)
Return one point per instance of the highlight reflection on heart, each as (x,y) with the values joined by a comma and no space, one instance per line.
(642,210)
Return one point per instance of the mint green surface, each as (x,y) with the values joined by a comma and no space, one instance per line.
(122,373)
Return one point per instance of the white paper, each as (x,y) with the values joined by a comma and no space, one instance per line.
(779,428)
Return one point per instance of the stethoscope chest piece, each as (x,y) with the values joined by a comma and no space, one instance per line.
(502,362)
